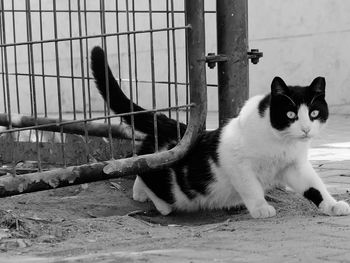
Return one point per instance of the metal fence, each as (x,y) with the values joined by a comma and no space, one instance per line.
(55,128)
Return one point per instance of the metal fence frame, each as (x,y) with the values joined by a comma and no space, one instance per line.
(43,180)
(232,59)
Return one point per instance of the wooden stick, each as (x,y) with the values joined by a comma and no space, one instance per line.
(51,124)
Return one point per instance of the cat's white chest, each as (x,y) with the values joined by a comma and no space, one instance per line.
(271,161)
(269,169)
(250,152)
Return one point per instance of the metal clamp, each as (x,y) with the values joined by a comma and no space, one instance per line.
(212,59)
(254,55)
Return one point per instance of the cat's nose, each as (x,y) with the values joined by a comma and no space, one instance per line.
(306,130)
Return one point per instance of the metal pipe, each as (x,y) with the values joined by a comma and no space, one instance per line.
(43,74)
(58,80)
(121,79)
(87,61)
(109,11)
(32,82)
(71,57)
(82,72)
(108,107)
(153,85)
(168,56)
(15,56)
(56,40)
(130,77)
(175,71)
(4,73)
(232,39)
(135,52)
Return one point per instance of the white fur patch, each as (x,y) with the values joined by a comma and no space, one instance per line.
(221,194)
(303,127)
(249,140)
(246,139)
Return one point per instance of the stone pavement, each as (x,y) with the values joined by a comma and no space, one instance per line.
(330,154)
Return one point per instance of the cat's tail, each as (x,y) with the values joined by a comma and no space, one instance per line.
(119,103)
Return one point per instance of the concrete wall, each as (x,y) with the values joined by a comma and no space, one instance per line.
(300,40)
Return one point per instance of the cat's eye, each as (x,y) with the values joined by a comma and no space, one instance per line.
(314,113)
(291,114)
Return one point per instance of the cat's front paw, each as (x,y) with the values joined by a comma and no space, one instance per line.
(263,211)
(340,208)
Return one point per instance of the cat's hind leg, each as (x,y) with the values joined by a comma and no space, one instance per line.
(138,192)
(141,188)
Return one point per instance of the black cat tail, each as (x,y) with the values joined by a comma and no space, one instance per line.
(119,103)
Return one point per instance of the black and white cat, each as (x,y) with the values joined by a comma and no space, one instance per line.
(265,146)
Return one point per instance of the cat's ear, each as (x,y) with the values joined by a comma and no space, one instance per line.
(318,85)
(278,86)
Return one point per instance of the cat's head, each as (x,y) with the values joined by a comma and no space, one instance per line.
(298,112)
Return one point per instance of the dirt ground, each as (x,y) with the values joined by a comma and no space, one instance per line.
(99,222)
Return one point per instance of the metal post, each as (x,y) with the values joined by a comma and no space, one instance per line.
(232,39)
(196,62)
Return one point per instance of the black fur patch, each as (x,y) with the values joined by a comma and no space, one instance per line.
(160,182)
(314,196)
(197,162)
(120,103)
(289,98)
(264,104)
(192,174)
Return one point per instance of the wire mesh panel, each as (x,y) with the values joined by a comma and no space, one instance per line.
(52,115)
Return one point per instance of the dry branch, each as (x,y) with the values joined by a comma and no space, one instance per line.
(80,128)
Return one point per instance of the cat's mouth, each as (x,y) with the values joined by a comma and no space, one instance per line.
(305,137)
